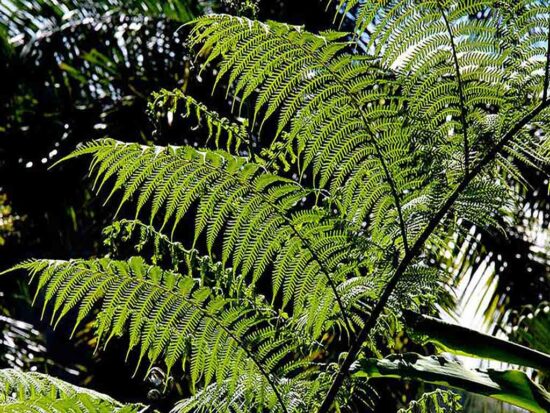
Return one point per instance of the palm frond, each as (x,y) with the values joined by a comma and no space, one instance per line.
(34,17)
(531,326)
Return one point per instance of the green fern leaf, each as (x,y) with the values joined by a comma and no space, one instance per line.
(36,392)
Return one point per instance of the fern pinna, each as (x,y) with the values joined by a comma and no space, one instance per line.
(374,146)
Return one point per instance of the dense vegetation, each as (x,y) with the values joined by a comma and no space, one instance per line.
(289,242)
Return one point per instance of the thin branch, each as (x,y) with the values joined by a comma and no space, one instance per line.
(150,229)
(416,249)
(463,110)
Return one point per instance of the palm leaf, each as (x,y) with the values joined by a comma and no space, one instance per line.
(510,386)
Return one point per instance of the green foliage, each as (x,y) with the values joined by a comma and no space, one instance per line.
(39,16)
(144,237)
(472,343)
(7,220)
(238,346)
(533,327)
(350,124)
(329,132)
(89,65)
(235,197)
(384,154)
(161,311)
(510,386)
(249,390)
(438,401)
(246,7)
(36,392)
(166,103)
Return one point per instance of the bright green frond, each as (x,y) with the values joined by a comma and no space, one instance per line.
(338,111)
(221,131)
(259,215)
(299,395)
(37,393)
(527,31)
(169,317)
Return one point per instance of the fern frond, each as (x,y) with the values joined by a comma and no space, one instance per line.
(330,103)
(143,239)
(364,12)
(36,392)
(470,64)
(140,236)
(171,317)
(527,31)
(398,147)
(298,394)
(222,131)
(454,73)
(349,127)
(258,213)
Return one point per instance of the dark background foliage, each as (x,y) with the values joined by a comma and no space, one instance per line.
(86,70)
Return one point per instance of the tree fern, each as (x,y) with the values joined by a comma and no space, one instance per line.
(385,153)
(321,96)
(349,118)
